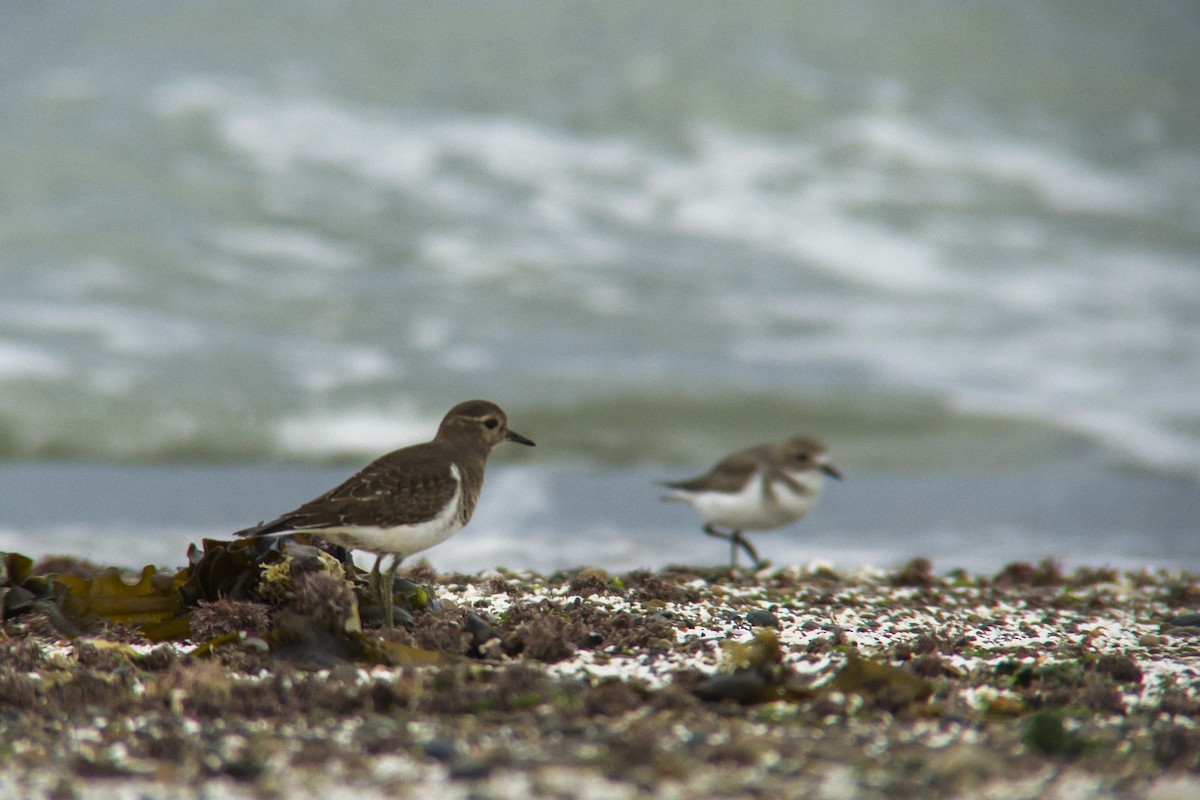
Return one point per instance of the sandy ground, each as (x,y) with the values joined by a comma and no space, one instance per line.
(799,682)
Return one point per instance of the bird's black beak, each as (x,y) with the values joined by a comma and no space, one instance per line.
(513,436)
(831,471)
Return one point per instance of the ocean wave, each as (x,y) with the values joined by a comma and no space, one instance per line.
(325,274)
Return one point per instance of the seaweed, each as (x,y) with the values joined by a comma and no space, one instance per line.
(295,600)
(753,672)
(20,590)
(880,685)
(153,598)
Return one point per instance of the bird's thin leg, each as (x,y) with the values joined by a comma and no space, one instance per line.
(732,538)
(373,583)
(389,588)
(744,543)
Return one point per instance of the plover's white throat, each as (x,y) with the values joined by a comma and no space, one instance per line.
(757,489)
(408,500)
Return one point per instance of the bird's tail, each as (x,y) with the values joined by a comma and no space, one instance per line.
(679,495)
(263,529)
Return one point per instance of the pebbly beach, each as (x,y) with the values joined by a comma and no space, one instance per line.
(1031,682)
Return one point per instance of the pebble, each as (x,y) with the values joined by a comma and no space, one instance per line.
(761,618)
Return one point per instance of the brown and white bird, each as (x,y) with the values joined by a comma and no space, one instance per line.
(408,500)
(757,489)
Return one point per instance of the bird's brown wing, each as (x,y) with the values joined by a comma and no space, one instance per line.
(403,487)
(729,475)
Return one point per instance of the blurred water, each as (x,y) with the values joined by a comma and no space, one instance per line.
(547,518)
(953,240)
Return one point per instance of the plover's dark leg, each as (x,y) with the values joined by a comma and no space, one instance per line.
(732,538)
(744,543)
(389,587)
(381,588)
(373,583)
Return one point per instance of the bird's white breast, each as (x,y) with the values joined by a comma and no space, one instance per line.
(756,507)
(798,503)
(404,540)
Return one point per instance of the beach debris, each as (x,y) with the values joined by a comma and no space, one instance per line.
(880,685)
(289,600)
(753,672)
(1189,620)
(940,690)
(1047,573)
(591,581)
(1047,733)
(213,618)
(20,592)
(763,618)
(918,572)
(150,602)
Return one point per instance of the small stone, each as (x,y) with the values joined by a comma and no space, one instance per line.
(471,769)
(746,686)
(761,618)
(480,632)
(440,750)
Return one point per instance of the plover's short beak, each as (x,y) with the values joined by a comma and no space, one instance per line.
(831,471)
(513,436)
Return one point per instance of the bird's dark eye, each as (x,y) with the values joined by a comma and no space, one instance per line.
(490,423)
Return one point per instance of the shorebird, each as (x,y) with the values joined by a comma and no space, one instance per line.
(757,489)
(408,500)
